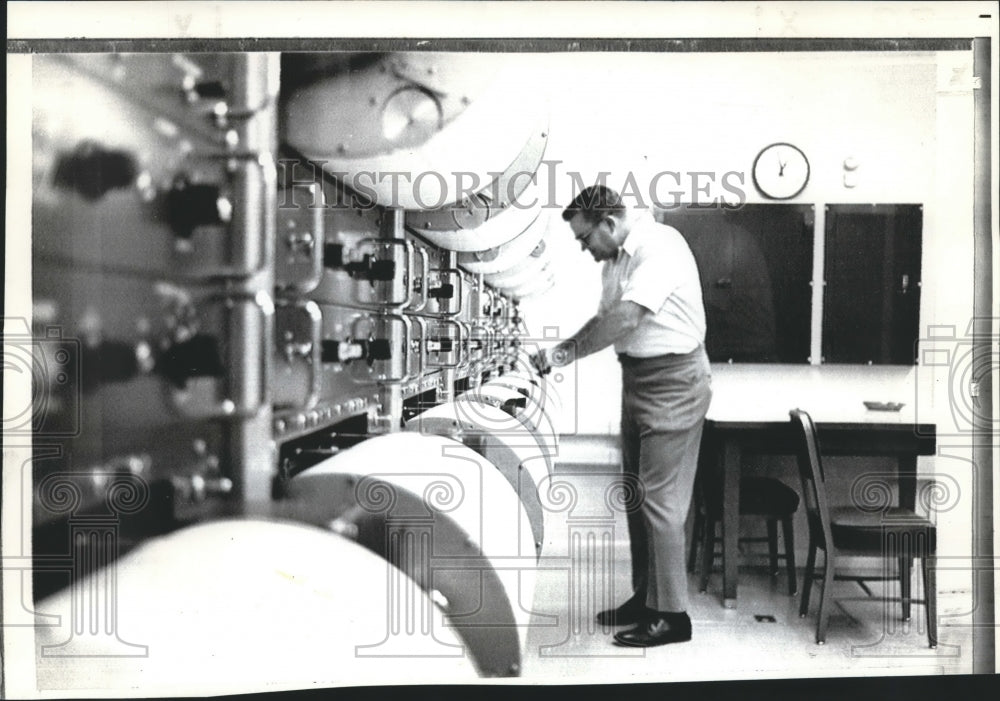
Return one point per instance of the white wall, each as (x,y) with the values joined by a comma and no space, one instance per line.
(905,117)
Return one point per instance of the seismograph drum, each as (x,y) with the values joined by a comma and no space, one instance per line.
(234,606)
(445,516)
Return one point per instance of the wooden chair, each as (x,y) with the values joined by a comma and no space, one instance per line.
(768,498)
(893,533)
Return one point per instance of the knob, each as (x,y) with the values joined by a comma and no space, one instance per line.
(92,171)
(341,351)
(197,357)
(192,205)
(300,242)
(113,361)
(379,349)
(203,89)
(373,269)
(196,488)
(212,486)
(368,268)
(440,345)
(445,291)
(346,351)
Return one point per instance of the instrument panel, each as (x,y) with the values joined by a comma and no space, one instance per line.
(217,309)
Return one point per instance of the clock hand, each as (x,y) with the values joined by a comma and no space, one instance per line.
(781,168)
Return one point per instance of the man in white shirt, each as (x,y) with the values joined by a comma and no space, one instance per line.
(651,310)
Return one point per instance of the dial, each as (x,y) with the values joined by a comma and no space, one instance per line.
(780,171)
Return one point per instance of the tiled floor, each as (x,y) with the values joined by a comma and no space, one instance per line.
(585,564)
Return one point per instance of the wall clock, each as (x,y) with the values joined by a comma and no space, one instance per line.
(780,171)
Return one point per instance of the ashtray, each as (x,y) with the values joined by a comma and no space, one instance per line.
(884,406)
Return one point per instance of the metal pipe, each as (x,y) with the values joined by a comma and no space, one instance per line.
(983,584)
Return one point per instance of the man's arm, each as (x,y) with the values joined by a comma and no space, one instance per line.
(585,329)
(597,334)
(601,331)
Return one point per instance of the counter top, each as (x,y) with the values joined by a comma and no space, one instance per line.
(830,393)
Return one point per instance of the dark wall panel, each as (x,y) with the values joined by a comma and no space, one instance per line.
(871,301)
(755,264)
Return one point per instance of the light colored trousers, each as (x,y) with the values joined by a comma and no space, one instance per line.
(664,402)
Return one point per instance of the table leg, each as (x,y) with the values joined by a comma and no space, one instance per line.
(731,465)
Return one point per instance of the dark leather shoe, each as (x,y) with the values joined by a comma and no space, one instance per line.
(631,612)
(656,630)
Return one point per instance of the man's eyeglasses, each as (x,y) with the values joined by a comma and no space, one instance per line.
(582,238)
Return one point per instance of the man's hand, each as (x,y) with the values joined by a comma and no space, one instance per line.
(559,356)
(541,363)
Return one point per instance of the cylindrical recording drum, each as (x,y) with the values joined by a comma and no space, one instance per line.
(419,130)
(502,226)
(534,287)
(529,242)
(559,387)
(519,404)
(238,606)
(528,269)
(505,442)
(541,389)
(445,516)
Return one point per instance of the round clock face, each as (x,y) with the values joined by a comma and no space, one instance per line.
(780,171)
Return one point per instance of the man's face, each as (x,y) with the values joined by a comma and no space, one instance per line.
(596,238)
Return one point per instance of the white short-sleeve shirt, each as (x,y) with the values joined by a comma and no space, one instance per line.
(656,270)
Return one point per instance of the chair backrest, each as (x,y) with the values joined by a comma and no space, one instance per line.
(811,476)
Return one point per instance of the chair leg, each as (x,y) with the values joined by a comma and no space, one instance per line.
(772,549)
(905,583)
(788,535)
(927,567)
(807,581)
(824,597)
(707,553)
